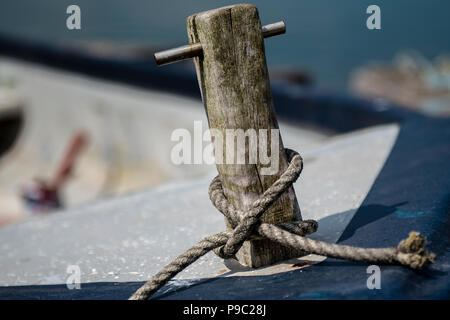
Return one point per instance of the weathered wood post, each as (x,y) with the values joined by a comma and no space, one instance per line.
(228,49)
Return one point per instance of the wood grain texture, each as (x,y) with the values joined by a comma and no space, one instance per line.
(235,88)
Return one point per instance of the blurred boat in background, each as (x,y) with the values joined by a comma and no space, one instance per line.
(410,80)
(129,127)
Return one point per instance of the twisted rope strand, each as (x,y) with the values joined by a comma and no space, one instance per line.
(247,226)
(179,264)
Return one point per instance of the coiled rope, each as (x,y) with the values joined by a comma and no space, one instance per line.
(247,226)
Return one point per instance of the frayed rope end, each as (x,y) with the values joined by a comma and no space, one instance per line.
(412,253)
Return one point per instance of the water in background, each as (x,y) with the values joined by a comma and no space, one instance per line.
(328,38)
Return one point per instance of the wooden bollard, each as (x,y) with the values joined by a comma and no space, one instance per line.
(235,88)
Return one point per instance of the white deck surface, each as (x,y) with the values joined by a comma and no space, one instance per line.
(130,237)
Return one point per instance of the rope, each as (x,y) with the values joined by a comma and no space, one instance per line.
(247,226)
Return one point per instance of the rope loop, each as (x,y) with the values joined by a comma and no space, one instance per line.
(244,223)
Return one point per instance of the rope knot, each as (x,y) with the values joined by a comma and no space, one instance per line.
(244,223)
(411,251)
